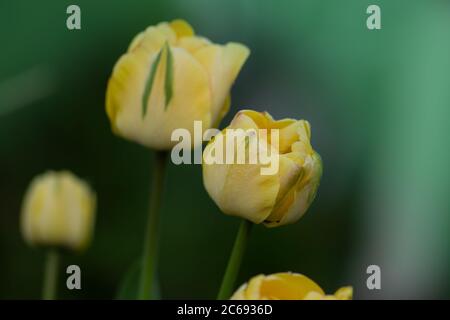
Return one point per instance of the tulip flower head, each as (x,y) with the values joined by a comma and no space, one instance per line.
(169,78)
(287,286)
(275,199)
(58,211)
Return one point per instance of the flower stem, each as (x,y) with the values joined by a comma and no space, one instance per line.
(51,275)
(234,263)
(150,254)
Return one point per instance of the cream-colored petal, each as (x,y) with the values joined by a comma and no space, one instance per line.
(253,290)
(289,173)
(239,189)
(191,98)
(168,32)
(304,192)
(243,121)
(240,293)
(79,207)
(223,111)
(58,211)
(251,197)
(214,174)
(151,39)
(223,64)
(247,193)
(136,42)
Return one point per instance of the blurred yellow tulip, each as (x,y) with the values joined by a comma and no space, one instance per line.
(273,199)
(287,286)
(169,78)
(58,211)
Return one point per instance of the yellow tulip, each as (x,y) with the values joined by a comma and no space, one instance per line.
(287,286)
(168,78)
(273,199)
(58,211)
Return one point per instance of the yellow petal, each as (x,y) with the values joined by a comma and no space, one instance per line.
(223,64)
(182,28)
(58,211)
(289,174)
(297,285)
(193,44)
(287,286)
(303,145)
(344,293)
(288,136)
(253,288)
(257,119)
(242,120)
(313,295)
(300,197)
(289,129)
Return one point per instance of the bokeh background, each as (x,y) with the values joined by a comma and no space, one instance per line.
(378,102)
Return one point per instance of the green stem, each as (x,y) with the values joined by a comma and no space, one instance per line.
(150,254)
(51,275)
(234,263)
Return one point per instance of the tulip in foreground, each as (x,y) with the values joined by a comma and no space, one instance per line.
(244,190)
(58,212)
(275,199)
(168,78)
(287,286)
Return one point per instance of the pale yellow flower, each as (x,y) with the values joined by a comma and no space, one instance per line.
(273,199)
(58,211)
(168,78)
(287,286)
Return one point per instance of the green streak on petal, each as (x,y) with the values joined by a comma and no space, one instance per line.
(149,84)
(168,82)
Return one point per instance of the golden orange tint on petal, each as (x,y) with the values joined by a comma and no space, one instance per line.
(344,293)
(182,28)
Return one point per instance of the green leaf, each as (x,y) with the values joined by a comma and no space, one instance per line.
(129,285)
(168,82)
(149,84)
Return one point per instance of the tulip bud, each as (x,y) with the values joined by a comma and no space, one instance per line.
(169,78)
(58,211)
(287,286)
(275,199)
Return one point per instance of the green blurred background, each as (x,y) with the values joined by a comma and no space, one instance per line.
(379,106)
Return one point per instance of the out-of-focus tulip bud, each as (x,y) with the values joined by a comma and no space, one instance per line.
(169,78)
(287,286)
(278,198)
(58,211)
